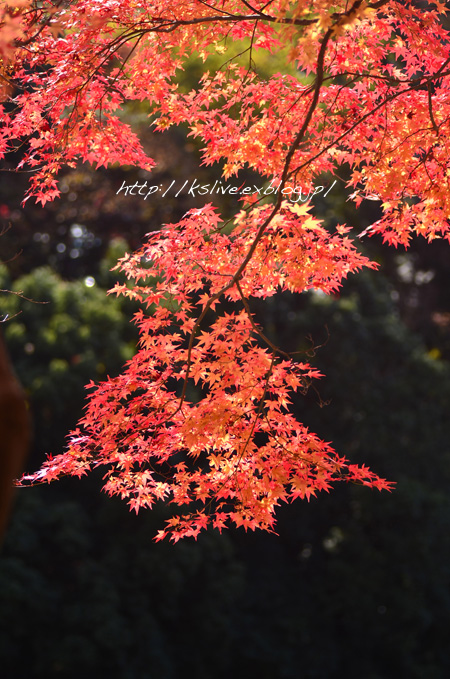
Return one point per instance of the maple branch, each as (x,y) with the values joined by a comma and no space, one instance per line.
(351,128)
(336,467)
(430,109)
(440,73)
(258,413)
(415,83)
(260,16)
(168,25)
(44,24)
(22,296)
(239,273)
(259,332)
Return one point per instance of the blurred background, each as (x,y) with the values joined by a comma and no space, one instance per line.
(355,584)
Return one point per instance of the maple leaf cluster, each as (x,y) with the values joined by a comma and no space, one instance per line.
(201,415)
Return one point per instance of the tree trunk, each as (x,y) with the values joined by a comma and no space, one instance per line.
(14,434)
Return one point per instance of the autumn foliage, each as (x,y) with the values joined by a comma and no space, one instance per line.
(201,415)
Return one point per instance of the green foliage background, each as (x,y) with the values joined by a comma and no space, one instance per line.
(355,584)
